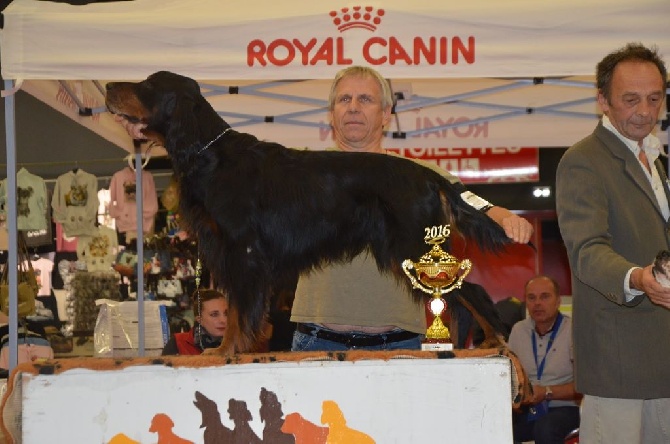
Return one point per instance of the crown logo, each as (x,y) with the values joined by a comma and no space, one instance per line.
(357,17)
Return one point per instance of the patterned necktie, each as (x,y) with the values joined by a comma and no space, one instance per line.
(645,161)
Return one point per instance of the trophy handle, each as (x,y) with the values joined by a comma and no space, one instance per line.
(407,266)
(466,266)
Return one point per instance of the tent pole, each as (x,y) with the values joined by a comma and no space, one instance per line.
(12,257)
(139,193)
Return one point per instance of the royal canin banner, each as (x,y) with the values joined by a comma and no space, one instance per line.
(295,39)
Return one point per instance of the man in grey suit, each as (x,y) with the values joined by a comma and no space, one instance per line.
(612,202)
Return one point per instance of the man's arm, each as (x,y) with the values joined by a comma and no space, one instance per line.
(516,227)
(560,391)
(583,205)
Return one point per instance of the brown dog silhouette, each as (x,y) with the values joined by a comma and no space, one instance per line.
(271,414)
(215,431)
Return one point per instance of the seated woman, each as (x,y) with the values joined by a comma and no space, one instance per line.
(210,308)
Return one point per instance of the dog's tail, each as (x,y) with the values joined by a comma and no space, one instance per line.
(478,306)
(470,222)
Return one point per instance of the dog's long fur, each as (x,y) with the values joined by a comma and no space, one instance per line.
(261,211)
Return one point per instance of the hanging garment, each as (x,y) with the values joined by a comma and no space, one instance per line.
(43,238)
(31,195)
(43,268)
(104,218)
(75,202)
(123,207)
(98,251)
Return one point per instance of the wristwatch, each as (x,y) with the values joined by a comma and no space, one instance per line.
(548,394)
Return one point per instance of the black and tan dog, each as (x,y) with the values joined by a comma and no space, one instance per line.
(262,211)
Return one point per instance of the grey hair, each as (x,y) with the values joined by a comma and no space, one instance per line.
(365,72)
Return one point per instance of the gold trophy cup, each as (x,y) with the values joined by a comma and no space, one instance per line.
(437,273)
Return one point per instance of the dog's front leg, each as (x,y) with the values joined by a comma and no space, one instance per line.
(248,329)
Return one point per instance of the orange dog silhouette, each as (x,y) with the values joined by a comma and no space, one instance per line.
(305,432)
(120,438)
(162,424)
(339,433)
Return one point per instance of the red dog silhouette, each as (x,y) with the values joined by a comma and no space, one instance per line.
(162,424)
(305,432)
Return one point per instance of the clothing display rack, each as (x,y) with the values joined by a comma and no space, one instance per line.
(12,167)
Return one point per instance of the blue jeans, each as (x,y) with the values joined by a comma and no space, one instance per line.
(306,342)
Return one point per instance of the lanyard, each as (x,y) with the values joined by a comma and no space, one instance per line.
(554,330)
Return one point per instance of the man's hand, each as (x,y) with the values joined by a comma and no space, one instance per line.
(516,227)
(643,279)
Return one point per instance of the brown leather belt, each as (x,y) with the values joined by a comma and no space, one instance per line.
(356,339)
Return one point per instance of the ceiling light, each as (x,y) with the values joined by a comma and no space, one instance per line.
(542,191)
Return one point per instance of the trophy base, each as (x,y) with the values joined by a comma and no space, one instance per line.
(437,346)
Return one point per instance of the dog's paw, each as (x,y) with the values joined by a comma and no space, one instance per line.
(212,352)
(661,268)
(495,341)
(221,350)
(218,351)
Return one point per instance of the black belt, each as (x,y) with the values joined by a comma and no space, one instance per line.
(357,339)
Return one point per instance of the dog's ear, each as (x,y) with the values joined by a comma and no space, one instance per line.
(194,87)
(183,132)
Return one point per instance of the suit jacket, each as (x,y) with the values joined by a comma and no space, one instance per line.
(610,221)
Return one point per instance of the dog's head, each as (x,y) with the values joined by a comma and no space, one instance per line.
(291,423)
(171,105)
(661,268)
(161,423)
(208,409)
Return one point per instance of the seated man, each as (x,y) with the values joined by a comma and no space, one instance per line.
(543,343)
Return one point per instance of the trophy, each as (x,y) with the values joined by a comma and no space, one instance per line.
(437,273)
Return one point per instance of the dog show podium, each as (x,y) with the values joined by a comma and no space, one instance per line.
(350,397)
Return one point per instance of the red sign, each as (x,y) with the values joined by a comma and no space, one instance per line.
(481,165)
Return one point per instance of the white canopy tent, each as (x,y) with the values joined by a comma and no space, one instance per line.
(473,75)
